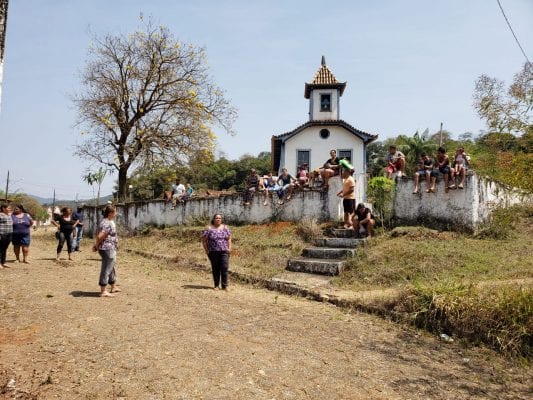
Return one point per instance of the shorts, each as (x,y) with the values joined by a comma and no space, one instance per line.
(348,205)
(421,172)
(445,169)
(20,239)
(395,167)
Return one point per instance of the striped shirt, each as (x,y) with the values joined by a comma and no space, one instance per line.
(6,224)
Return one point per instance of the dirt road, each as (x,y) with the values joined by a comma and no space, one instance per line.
(169,336)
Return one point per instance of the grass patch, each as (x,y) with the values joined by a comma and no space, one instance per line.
(478,287)
(500,316)
(259,250)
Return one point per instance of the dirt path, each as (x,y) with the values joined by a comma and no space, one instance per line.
(168,336)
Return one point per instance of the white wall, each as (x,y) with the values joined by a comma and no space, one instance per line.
(323,206)
(318,115)
(458,209)
(339,138)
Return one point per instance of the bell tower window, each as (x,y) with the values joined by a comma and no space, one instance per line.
(325,102)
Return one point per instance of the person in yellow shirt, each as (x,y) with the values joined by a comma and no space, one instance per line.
(348,196)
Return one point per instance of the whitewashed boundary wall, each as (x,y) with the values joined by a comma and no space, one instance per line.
(459,209)
(306,204)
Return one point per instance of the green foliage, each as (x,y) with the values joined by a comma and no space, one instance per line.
(31,205)
(413,147)
(203,172)
(151,182)
(96,178)
(381,194)
(505,158)
(503,221)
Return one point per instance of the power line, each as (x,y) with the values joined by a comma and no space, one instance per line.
(512,31)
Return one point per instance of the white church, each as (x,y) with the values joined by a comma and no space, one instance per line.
(311,142)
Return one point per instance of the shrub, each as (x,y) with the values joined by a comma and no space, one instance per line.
(498,316)
(381,193)
(309,229)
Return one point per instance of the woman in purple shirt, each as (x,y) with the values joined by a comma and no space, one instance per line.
(20,238)
(216,240)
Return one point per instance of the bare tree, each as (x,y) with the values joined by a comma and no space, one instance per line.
(506,111)
(147,97)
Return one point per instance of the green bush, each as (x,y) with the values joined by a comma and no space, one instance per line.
(381,194)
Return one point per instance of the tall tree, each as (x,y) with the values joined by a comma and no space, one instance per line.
(506,111)
(147,97)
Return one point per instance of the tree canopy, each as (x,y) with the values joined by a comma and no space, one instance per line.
(147,97)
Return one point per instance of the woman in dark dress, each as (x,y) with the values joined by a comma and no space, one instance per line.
(216,240)
(66,225)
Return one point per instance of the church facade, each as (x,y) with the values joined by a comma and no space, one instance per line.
(311,142)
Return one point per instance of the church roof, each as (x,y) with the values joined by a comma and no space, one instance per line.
(364,136)
(324,79)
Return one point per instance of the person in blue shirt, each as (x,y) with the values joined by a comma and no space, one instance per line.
(78,216)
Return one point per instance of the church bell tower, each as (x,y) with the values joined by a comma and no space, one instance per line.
(324,94)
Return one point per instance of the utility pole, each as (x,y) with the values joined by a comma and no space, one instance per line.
(440,135)
(7,184)
(54,202)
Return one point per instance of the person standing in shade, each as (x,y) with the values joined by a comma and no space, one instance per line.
(78,216)
(22,222)
(107,244)
(216,240)
(6,230)
(66,225)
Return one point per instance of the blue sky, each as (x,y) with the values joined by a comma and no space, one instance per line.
(409,65)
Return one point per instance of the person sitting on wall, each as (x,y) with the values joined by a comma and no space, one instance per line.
(363,220)
(348,196)
(270,185)
(251,186)
(330,168)
(286,182)
(395,162)
(425,170)
(459,166)
(443,164)
(301,176)
(178,191)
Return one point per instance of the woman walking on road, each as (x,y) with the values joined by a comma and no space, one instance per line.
(106,244)
(66,225)
(6,230)
(22,222)
(216,240)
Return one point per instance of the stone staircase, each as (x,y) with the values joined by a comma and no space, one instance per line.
(328,255)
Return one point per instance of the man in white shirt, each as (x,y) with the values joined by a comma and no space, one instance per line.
(178,191)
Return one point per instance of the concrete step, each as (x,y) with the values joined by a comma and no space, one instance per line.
(315,266)
(339,242)
(301,280)
(345,233)
(327,252)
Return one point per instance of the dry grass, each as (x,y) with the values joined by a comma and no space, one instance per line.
(259,250)
(478,289)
